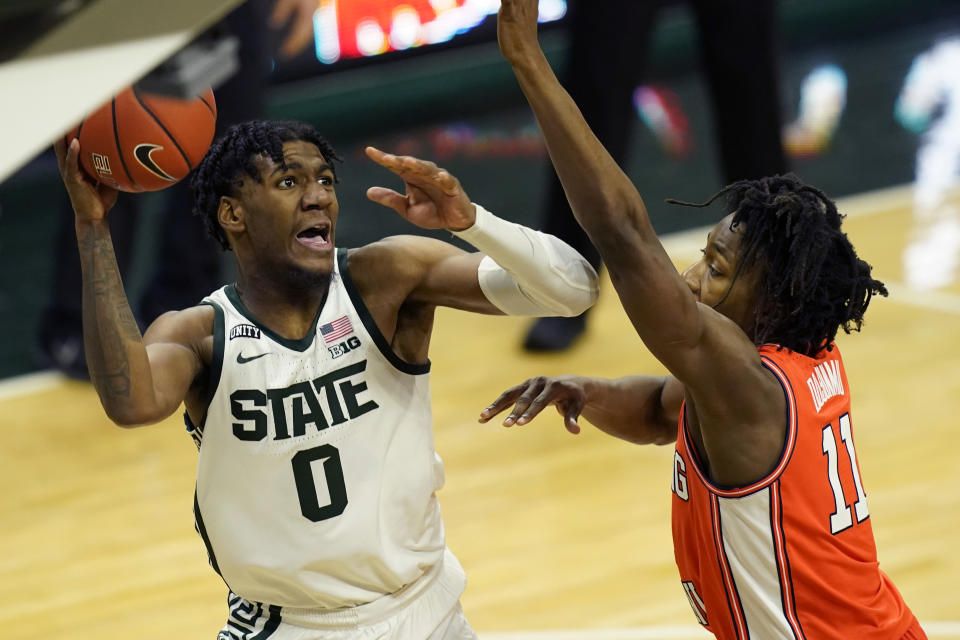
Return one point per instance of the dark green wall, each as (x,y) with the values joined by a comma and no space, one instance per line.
(462,109)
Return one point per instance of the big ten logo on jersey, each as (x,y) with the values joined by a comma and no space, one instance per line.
(244,331)
(344,347)
(335,336)
(326,401)
(678,483)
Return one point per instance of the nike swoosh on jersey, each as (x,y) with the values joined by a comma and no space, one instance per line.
(242,360)
(143,152)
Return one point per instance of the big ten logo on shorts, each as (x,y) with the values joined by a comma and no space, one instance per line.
(345,347)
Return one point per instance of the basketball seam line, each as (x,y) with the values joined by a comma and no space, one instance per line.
(160,124)
(116,138)
(204,100)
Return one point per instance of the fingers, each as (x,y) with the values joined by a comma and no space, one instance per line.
(534,396)
(570,410)
(401,163)
(445,181)
(374,154)
(423,173)
(502,402)
(73,155)
(388,198)
(68,159)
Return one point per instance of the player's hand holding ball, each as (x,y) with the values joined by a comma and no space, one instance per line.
(90,200)
(136,142)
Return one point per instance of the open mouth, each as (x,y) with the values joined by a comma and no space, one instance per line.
(315,237)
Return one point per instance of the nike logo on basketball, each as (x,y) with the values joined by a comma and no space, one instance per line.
(242,360)
(143,152)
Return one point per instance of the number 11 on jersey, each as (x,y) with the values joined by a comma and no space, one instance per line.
(842,517)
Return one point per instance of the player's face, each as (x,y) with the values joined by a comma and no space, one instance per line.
(291,214)
(715,281)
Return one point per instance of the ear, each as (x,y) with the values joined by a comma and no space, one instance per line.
(230,215)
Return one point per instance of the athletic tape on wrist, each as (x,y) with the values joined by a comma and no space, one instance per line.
(527,272)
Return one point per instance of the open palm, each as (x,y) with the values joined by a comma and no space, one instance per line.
(433,198)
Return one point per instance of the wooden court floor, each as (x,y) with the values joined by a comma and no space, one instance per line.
(561,536)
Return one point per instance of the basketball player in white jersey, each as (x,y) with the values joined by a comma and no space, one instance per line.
(306,381)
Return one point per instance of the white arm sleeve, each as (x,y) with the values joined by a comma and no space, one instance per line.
(527,272)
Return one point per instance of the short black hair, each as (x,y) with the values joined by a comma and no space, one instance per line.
(219,172)
(813,283)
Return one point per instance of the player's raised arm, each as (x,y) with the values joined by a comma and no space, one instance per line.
(131,390)
(518,271)
(606,204)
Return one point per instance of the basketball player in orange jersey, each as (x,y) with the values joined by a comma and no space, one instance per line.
(772,533)
(306,382)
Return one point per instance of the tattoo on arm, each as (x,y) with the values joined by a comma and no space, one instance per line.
(109,325)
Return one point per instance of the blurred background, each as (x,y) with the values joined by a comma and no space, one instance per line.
(433,84)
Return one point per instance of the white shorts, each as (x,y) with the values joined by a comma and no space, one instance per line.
(428,609)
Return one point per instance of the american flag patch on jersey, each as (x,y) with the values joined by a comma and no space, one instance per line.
(335,330)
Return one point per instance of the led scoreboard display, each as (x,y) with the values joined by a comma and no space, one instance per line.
(347,29)
(351,33)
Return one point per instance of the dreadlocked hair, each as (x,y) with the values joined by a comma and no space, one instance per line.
(813,282)
(231,155)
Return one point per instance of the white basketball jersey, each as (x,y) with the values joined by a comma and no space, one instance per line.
(317,474)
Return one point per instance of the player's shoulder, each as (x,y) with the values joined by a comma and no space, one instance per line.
(398,247)
(395,259)
(186,326)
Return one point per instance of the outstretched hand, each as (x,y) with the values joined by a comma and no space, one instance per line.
(532,396)
(517,28)
(434,198)
(91,201)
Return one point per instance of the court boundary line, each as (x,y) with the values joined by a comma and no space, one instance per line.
(30,383)
(932,300)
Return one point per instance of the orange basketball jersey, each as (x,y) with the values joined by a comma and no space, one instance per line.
(792,555)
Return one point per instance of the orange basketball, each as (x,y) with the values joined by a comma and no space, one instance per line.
(144,142)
